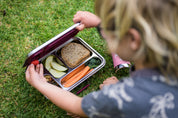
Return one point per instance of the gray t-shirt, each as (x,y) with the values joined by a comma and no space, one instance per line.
(146,94)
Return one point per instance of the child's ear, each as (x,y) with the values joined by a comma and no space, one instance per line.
(135,39)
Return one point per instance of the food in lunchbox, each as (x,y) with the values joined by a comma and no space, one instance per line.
(80,72)
(74,53)
(48,61)
(57,66)
(93,62)
(54,68)
(56,73)
(77,70)
(59,61)
(48,78)
(76,77)
(35,62)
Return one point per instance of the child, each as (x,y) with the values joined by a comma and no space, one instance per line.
(144,32)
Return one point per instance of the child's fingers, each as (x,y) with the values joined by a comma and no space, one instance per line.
(80,27)
(115,78)
(42,72)
(29,72)
(101,86)
(31,69)
(76,19)
(38,68)
(41,69)
(112,78)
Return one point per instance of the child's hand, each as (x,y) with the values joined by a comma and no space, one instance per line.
(86,19)
(108,81)
(34,75)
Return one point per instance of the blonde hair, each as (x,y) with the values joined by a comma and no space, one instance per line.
(157,22)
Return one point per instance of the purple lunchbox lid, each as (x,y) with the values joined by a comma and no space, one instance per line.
(51,44)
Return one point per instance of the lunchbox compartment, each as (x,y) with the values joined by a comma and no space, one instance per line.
(50,79)
(75,44)
(53,67)
(74,40)
(93,63)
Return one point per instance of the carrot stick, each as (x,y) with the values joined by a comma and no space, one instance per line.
(70,79)
(90,71)
(76,77)
(77,70)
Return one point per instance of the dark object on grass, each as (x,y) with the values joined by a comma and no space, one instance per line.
(3,12)
(83,89)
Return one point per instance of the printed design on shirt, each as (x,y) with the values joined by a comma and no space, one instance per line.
(171,82)
(160,104)
(118,92)
(95,95)
(93,113)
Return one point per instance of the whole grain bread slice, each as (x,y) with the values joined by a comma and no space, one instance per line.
(74,53)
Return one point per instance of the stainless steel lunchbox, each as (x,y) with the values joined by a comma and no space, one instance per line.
(54,45)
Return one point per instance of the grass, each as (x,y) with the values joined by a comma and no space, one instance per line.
(26,24)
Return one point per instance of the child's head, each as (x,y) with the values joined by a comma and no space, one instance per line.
(156,22)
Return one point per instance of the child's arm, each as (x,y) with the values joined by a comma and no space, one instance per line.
(63,99)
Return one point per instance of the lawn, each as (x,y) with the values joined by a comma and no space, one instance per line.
(25,25)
